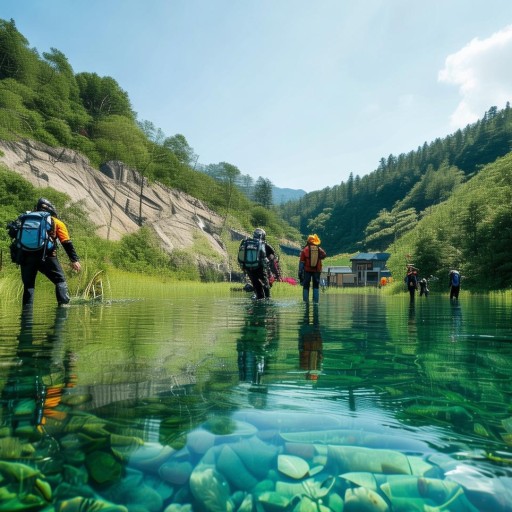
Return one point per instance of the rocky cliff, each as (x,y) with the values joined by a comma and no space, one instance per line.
(112,196)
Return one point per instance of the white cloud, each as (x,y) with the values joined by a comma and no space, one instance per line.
(483,74)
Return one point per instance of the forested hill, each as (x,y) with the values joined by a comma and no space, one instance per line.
(42,99)
(369,213)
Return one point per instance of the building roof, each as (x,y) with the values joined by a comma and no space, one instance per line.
(338,270)
(368,256)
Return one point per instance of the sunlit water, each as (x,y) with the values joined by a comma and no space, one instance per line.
(216,403)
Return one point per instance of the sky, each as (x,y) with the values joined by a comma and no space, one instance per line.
(300,92)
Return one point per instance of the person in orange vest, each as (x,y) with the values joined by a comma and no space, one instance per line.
(310,267)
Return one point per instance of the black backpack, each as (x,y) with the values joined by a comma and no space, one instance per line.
(249,254)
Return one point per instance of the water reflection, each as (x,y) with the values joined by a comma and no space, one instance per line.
(258,339)
(256,347)
(456,319)
(39,377)
(311,343)
(200,398)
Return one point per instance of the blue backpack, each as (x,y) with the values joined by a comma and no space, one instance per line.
(455,279)
(33,232)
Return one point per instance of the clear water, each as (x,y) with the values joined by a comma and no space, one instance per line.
(202,402)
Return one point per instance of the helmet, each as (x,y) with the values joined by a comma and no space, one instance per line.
(259,234)
(43,205)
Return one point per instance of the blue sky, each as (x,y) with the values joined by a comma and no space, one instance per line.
(300,92)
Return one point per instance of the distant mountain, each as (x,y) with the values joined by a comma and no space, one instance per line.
(283,195)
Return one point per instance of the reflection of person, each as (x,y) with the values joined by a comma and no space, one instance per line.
(266,268)
(456,320)
(36,384)
(411,280)
(45,260)
(454,284)
(424,287)
(310,345)
(310,267)
(256,342)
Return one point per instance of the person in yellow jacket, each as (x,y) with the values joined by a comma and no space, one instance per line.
(310,267)
(46,261)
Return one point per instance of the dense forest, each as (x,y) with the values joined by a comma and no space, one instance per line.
(371,212)
(445,204)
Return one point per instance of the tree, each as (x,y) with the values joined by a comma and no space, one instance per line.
(179,146)
(263,192)
(246,185)
(16,59)
(102,96)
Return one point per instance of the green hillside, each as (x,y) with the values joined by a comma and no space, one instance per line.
(41,98)
(471,231)
(371,212)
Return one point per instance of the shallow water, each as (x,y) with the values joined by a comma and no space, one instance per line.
(216,403)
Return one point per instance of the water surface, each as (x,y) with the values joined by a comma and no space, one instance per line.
(215,402)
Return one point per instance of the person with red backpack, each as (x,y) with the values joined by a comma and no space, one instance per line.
(35,246)
(310,267)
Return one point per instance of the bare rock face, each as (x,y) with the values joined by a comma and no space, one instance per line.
(113,196)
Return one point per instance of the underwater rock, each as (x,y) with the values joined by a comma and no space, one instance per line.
(361,479)
(349,459)
(247,504)
(150,456)
(103,468)
(256,455)
(124,446)
(487,493)
(292,466)
(75,475)
(199,441)
(356,438)
(335,502)
(175,472)
(273,501)
(44,488)
(18,471)
(431,493)
(176,507)
(304,450)
(80,504)
(65,491)
(361,499)
(414,487)
(230,465)
(210,489)
(22,503)
(142,496)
